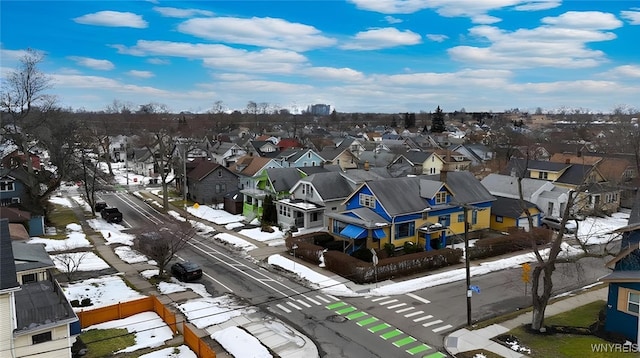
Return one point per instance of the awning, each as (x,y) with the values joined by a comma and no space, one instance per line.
(354,232)
(378,234)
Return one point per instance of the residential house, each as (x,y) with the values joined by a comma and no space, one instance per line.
(375,159)
(209,182)
(413,162)
(313,196)
(37,317)
(507,213)
(250,171)
(594,194)
(274,182)
(623,300)
(16,159)
(475,152)
(550,199)
(14,197)
(225,153)
(263,148)
(340,155)
(299,157)
(288,143)
(422,210)
(142,162)
(452,161)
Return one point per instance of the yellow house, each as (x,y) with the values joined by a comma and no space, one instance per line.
(507,213)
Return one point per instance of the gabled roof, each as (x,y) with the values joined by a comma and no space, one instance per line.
(286,143)
(398,195)
(576,174)
(283,179)
(292,155)
(429,188)
(570,158)
(31,256)
(358,176)
(14,215)
(222,147)
(521,167)
(331,153)
(613,168)
(416,157)
(330,185)
(510,208)
(507,185)
(203,170)
(467,189)
(250,165)
(8,277)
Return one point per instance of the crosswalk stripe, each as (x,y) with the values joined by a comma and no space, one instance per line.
(432,323)
(422,318)
(379,299)
(313,301)
(415,297)
(283,308)
(293,305)
(436,330)
(413,313)
(332,297)
(322,299)
(387,302)
(405,310)
(303,303)
(396,306)
(418,349)
(404,341)
(335,305)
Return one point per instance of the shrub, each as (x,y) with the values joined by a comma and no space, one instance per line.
(363,254)
(85,302)
(409,247)
(390,249)
(75,303)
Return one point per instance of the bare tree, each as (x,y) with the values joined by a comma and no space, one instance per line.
(162,243)
(70,262)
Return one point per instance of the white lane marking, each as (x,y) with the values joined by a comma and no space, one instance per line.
(293,305)
(303,303)
(422,318)
(379,299)
(414,314)
(432,323)
(211,277)
(436,330)
(332,297)
(405,310)
(396,306)
(387,302)
(322,299)
(283,308)
(415,297)
(313,301)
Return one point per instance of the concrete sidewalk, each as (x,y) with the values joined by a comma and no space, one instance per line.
(464,340)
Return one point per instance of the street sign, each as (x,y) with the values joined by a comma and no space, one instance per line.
(374,258)
(475,289)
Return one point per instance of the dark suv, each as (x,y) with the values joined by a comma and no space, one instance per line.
(99,206)
(186,271)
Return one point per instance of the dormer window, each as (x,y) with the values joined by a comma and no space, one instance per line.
(441,197)
(6,185)
(543,175)
(367,200)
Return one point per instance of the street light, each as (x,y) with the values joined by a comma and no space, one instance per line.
(294,247)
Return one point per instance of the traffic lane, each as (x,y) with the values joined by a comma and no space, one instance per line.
(135,212)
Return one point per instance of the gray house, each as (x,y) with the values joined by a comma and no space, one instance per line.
(208,183)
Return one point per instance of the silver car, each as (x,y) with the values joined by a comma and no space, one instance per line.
(553,223)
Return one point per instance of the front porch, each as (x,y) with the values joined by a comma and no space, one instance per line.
(300,214)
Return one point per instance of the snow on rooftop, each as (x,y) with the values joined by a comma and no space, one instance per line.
(240,343)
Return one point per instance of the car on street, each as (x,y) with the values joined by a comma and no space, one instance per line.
(186,271)
(99,206)
(554,223)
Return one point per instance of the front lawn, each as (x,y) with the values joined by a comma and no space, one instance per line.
(564,345)
(104,342)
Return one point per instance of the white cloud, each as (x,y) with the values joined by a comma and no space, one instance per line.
(382,38)
(158,61)
(96,64)
(337,74)
(587,20)
(392,20)
(141,74)
(473,9)
(181,13)
(632,16)
(437,37)
(561,42)
(104,83)
(624,72)
(113,19)
(264,32)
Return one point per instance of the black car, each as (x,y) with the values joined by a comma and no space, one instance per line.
(186,271)
(99,206)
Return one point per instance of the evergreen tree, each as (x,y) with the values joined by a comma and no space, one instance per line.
(269,213)
(437,121)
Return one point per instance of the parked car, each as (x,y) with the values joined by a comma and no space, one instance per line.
(99,206)
(186,271)
(553,223)
(112,215)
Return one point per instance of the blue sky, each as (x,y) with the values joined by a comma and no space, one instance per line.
(385,56)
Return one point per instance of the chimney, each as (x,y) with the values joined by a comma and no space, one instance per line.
(443,175)
(366,165)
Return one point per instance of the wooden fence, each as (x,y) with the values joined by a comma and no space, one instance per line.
(150,303)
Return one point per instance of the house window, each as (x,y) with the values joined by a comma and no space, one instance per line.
(474,217)
(633,304)
(367,200)
(309,155)
(499,219)
(28,278)
(441,197)
(338,226)
(405,230)
(219,173)
(314,216)
(41,337)
(543,175)
(432,170)
(307,189)
(6,186)
(248,200)
(445,220)
(460,218)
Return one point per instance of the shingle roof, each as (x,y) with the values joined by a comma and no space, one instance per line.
(31,256)
(416,157)
(398,195)
(508,185)
(466,188)
(330,185)
(8,277)
(250,165)
(510,208)
(576,174)
(203,169)
(283,179)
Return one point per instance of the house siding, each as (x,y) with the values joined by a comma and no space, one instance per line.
(209,190)
(59,346)
(7,310)
(618,321)
(18,192)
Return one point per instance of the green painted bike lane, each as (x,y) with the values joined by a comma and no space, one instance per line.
(363,319)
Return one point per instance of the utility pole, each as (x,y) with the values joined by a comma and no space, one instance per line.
(466,262)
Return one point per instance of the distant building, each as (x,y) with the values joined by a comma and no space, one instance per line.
(319,109)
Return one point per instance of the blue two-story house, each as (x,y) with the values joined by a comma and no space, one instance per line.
(423,210)
(299,157)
